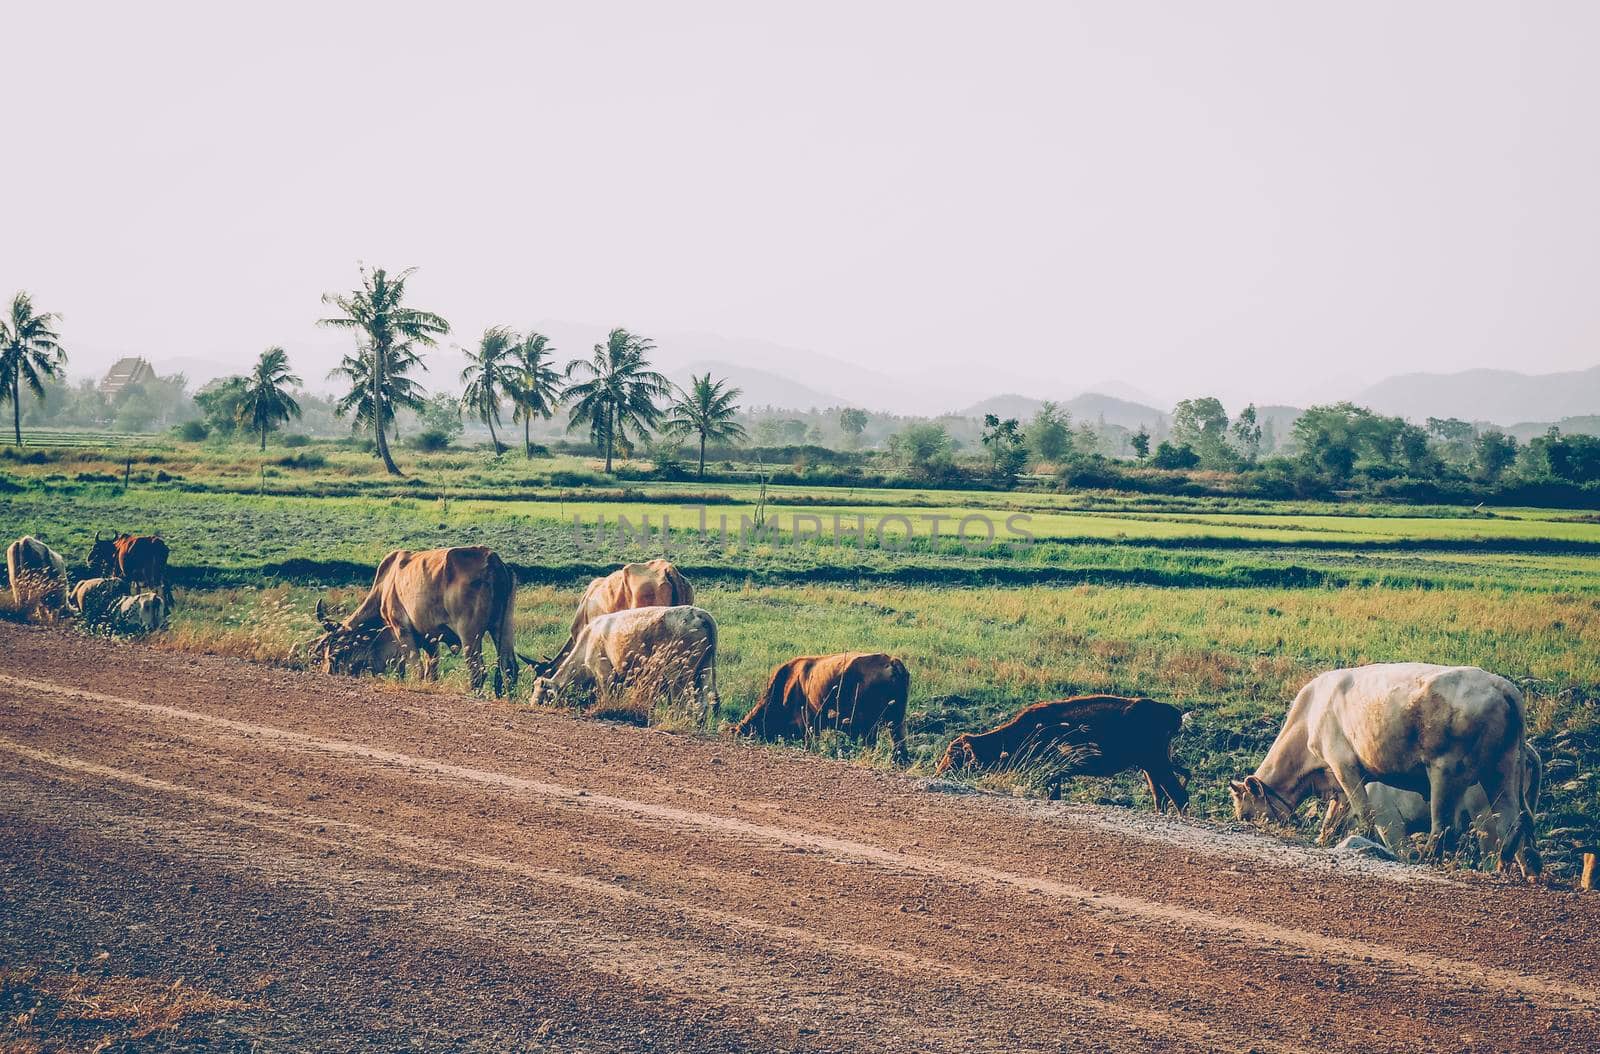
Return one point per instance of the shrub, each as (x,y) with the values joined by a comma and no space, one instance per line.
(192,431)
(432,440)
(295,439)
(309,459)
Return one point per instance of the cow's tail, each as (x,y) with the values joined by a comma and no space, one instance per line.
(505,629)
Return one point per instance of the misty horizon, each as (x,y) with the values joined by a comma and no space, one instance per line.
(1269,205)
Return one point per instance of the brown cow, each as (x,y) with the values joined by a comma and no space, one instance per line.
(453,596)
(856,693)
(140,559)
(1102,734)
(655,583)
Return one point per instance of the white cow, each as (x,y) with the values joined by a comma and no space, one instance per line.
(141,613)
(93,598)
(38,574)
(659,648)
(1433,730)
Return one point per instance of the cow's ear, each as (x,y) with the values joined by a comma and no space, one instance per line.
(1254,785)
(1236,786)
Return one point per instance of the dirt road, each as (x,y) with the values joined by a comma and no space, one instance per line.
(340,865)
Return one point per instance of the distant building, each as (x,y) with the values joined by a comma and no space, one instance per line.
(132,370)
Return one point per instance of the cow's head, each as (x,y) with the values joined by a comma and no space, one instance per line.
(103,556)
(1254,801)
(342,651)
(544,692)
(959,756)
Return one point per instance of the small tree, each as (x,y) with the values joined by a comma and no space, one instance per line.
(1495,452)
(490,376)
(265,401)
(30,351)
(620,392)
(1049,434)
(1202,424)
(442,414)
(706,409)
(1008,451)
(925,450)
(219,401)
(853,422)
(1140,441)
(536,387)
(1181,456)
(388,328)
(1247,434)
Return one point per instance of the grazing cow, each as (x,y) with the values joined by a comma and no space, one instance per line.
(655,583)
(38,575)
(139,558)
(373,649)
(451,596)
(1102,735)
(1433,730)
(856,693)
(670,649)
(141,613)
(93,598)
(1399,814)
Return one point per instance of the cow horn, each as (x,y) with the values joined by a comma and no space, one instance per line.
(322,617)
(97,537)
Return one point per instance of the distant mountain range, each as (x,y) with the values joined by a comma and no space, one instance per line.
(1503,397)
(1090,406)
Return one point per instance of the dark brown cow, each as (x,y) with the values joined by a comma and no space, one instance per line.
(856,693)
(1102,735)
(453,596)
(654,583)
(139,559)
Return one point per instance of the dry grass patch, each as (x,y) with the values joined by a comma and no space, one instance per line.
(47,1011)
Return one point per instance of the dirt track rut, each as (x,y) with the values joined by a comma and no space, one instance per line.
(368,868)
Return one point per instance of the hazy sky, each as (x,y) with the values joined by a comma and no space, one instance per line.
(1265,200)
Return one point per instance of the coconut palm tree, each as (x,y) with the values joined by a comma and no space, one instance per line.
(400,392)
(707,407)
(266,403)
(537,386)
(491,374)
(620,392)
(30,350)
(378,313)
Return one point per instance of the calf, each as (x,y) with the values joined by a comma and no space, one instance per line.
(1400,814)
(93,598)
(142,613)
(674,646)
(1432,730)
(1105,734)
(856,693)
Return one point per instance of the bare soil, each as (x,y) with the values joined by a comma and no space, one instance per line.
(341,865)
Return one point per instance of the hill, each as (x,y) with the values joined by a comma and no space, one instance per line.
(759,387)
(1503,397)
(1090,406)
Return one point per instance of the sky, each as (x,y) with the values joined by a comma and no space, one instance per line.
(1278,202)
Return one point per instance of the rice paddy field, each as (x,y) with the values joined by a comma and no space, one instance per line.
(1222,607)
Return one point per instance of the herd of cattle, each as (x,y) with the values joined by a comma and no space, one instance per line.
(1393,749)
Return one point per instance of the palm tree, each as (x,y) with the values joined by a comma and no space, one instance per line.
(377,312)
(490,374)
(537,386)
(265,401)
(400,392)
(30,350)
(707,408)
(620,392)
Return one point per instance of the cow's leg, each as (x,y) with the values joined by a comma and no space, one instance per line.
(1444,808)
(476,672)
(1352,781)
(1331,820)
(1156,793)
(1512,816)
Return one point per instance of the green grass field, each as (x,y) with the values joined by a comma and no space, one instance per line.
(1224,608)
